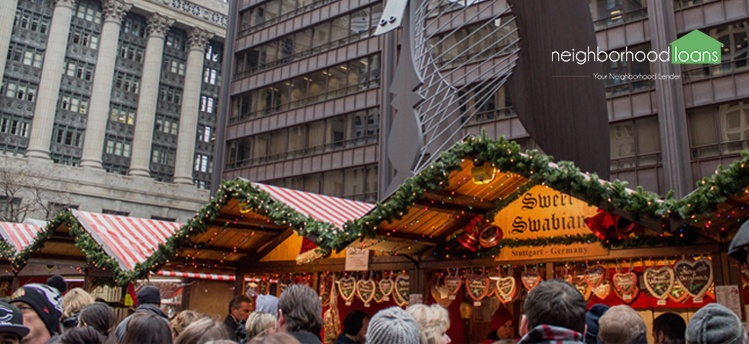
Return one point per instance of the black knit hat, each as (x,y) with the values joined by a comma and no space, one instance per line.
(11,320)
(149,294)
(45,300)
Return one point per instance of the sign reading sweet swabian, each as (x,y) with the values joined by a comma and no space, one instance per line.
(542,213)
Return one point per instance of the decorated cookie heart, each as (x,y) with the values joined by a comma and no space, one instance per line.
(378,295)
(402,289)
(530,280)
(347,287)
(659,282)
(477,287)
(695,277)
(365,290)
(594,276)
(678,294)
(583,287)
(440,295)
(386,287)
(568,278)
(625,286)
(506,289)
(453,283)
(744,269)
(603,290)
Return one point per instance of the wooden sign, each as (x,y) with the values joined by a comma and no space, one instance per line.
(544,212)
(357,259)
(695,277)
(593,249)
(659,282)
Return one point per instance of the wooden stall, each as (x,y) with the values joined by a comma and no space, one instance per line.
(485,223)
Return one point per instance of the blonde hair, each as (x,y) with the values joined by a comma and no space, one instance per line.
(74,301)
(182,320)
(433,321)
(258,324)
(203,330)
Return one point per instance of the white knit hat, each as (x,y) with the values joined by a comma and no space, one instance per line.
(393,326)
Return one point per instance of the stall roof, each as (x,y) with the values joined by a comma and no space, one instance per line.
(120,244)
(18,235)
(247,220)
(433,207)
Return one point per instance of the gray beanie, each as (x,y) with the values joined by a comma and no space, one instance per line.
(393,326)
(267,304)
(715,324)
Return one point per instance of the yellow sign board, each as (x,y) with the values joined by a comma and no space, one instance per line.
(551,252)
(543,212)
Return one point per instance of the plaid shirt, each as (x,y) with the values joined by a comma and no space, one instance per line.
(551,334)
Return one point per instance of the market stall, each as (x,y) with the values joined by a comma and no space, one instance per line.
(486,222)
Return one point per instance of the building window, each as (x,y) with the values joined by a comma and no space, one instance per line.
(719,130)
(635,143)
(121,114)
(210,75)
(134,25)
(17,89)
(163,156)
(55,207)
(174,65)
(170,95)
(115,212)
(69,136)
(127,82)
(167,126)
(161,218)
(734,54)
(614,12)
(14,126)
(25,55)
(174,42)
(31,21)
(622,75)
(79,69)
(213,53)
(85,39)
(74,103)
(203,163)
(205,133)
(207,103)
(88,11)
(119,146)
(131,52)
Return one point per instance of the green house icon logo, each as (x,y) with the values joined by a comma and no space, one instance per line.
(695,48)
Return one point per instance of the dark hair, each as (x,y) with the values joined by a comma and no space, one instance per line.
(80,335)
(237,301)
(203,330)
(100,317)
(57,282)
(671,324)
(353,322)
(301,309)
(147,328)
(555,303)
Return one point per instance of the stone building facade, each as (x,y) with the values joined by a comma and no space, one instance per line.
(115,100)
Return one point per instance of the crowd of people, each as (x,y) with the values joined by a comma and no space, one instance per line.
(555,312)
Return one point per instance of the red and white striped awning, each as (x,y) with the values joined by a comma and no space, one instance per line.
(320,207)
(215,277)
(129,240)
(19,235)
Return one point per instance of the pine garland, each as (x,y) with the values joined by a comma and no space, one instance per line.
(727,182)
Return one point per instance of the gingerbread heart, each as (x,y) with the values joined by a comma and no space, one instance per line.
(378,295)
(678,294)
(365,290)
(568,278)
(583,287)
(453,284)
(744,269)
(695,277)
(603,290)
(659,282)
(386,287)
(594,276)
(625,286)
(506,289)
(440,295)
(347,288)
(402,289)
(477,287)
(530,280)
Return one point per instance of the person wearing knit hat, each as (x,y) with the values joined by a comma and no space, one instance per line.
(591,320)
(715,324)
(266,304)
(41,306)
(149,300)
(622,325)
(11,324)
(502,326)
(393,326)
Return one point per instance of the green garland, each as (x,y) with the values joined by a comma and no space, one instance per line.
(506,157)
(7,251)
(727,182)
